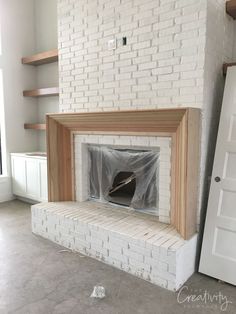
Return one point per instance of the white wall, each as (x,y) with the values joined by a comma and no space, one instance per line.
(46,24)
(47,75)
(5,189)
(18,39)
(27,27)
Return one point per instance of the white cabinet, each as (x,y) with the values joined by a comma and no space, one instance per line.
(29,176)
(32,178)
(19,175)
(43,191)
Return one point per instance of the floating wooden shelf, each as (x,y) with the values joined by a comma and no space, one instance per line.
(35,126)
(226,66)
(51,91)
(42,58)
(231,8)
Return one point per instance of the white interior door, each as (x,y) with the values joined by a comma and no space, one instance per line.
(218,256)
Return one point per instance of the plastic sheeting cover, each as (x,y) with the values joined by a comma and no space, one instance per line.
(106,163)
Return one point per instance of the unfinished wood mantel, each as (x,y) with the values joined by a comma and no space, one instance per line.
(181,124)
(231,8)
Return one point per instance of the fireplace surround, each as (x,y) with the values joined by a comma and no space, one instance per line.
(181,124)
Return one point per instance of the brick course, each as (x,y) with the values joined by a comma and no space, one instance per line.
(161,39)
(140,245)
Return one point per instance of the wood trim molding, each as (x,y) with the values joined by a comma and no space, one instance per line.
(231,8)
(183,124)
(226,66)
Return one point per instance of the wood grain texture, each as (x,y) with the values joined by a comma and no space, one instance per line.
(42,92)
(182,124)
(174,148)
(192,171)
(59,162)
(231,8)
(42,58)
(35,126)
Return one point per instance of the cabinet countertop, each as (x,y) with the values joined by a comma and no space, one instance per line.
(37,155)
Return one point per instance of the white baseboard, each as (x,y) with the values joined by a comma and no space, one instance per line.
(26,200)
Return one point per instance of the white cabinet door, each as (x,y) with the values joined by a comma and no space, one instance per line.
(29,177)
(43,180)
(19,176)
(218,256)
(32,179)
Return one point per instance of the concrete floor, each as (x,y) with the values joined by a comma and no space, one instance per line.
(35,277)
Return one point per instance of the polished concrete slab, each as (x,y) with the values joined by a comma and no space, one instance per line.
(37,276)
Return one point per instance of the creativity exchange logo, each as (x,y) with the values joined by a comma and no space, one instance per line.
(202,299)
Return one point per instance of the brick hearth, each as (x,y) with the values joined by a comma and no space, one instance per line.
(134,242)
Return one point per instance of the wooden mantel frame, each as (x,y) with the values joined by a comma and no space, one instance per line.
(182,124)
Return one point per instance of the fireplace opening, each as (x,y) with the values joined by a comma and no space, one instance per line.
(123,188)
(124,176)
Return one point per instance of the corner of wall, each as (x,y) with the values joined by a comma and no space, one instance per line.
(5,189)
(186,260)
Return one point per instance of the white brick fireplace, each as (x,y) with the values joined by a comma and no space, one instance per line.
(145,245)
(170,61)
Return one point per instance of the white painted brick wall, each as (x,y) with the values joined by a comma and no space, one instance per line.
(174,55)
(155,253)
(165,44)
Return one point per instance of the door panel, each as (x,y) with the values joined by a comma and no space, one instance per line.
(227,203)
(32,175)
(223,236)
(18,176)
(230,163)
(232,135)
(43,181)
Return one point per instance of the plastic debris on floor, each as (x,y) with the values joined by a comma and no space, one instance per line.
(98,292)
(65,251)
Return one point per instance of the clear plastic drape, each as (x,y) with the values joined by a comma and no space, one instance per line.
(106,163)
